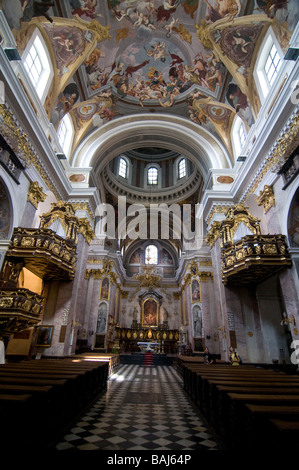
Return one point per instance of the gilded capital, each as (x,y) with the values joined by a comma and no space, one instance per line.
(86,229)
(35,194)
(266,198)
(214,233)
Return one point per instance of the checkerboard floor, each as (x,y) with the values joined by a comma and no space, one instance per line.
(144,408)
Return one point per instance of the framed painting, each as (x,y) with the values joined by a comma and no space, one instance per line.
(198,344)
(44,336)
(100,342)
(195,291)
(150,312)
(105,289)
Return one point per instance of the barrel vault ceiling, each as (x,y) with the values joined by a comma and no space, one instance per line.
(188,58)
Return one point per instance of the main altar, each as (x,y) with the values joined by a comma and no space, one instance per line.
(165,340)
(151,328)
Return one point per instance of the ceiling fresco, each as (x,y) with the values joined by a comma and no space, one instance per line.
(191,58)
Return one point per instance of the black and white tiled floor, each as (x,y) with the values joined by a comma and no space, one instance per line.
(144,408)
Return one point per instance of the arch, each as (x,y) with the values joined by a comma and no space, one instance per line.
(140,246)
(286,208)
(175,133)
(293,221)
(6,211)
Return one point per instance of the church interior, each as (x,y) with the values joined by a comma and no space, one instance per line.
(149,170)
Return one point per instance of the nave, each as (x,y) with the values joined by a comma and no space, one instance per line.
(143,408)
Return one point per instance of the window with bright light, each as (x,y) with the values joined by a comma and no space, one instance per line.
(33,64)
(238,135)
(268,64)
(272,65)
(123,168)
(242,134)
(152,176)
(182,168)
(151,254)
(38,65)
(65,134)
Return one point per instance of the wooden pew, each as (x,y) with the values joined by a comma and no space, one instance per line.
(223,392)
(60,389)
(237,413)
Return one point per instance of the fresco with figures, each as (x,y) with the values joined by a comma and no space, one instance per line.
(186,57)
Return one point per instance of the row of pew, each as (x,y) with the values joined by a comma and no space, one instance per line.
(39,399)
(247,406)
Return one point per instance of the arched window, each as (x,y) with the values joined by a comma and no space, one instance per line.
(242,134)
(123,168)
(38,65)
(239,135)
(268,64)
(152,175)
(272,64)
(151,254)
(65,134)
(182,168)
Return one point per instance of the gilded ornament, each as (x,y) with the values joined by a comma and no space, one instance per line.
(184,34)
(213,233)
(282,150)
(27,241)
(203,34)
(266,198)
(19,142)
(269,249)
(101,32)
(35,194)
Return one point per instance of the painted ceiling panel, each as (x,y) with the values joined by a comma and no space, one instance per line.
(191,58)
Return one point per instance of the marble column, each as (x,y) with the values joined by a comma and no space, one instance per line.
(69,303)
(220,314)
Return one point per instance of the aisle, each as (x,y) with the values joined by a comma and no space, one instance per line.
(144,408)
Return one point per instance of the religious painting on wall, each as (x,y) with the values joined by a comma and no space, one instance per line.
(102,318)
(105,289)
(136,257)
(99,342)
(198,344)
(197,321)
(195,291)
(150,312)
(44,336)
